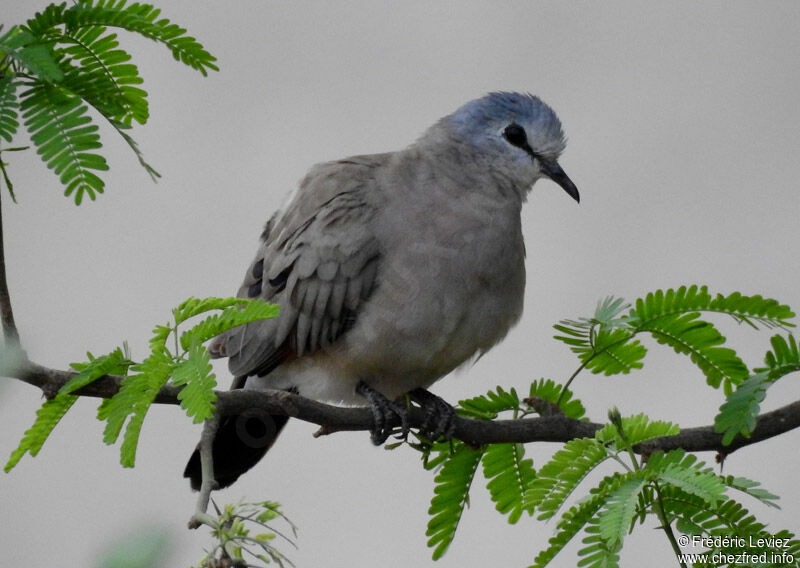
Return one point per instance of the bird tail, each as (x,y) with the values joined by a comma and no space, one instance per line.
(240,442)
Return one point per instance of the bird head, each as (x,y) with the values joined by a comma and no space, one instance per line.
(516,134)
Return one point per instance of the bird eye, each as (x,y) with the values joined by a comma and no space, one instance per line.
(515,135)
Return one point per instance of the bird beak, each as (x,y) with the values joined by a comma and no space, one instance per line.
(555,173)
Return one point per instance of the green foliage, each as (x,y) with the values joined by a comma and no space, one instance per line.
(188,367)
(8,108)
(737,415)
(451,495)
(619,511)
(577,517)
(509,476)
(553,393)
(51,412)
(674,486)
(244,532)
(48,415)
(559,477)
(71,68)
(490,405)
(229,317)
(606,343)
(634,430)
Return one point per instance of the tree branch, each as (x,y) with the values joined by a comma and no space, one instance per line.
(10,333)
(557,428)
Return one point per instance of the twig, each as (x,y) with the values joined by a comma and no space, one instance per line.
(474,432)
(208,483)
(10,332)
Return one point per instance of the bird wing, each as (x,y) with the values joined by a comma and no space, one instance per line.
(317,260)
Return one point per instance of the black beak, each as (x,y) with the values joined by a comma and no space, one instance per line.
(555,173)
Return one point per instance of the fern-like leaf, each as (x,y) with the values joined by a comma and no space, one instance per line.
(230,317)
(617,515)
(752,488)
(783,358)
(672,317)
(8,107)
(137,392)
(27,52)
(604,343)
(144,20)
(598,552)
(114,363)
(51,412)
(701,341)
(451,495)
(197,397)
(47,417)
(636,429)
(686,472)
(192,306)
(559,477)
(64,137)
(552,392)
(577,517)
(737,415)
(509,476)
(102,75)
(487,407)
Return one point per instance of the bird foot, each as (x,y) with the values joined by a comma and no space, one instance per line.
(385,414)
(438,418)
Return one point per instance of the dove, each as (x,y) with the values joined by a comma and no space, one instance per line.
(390,271)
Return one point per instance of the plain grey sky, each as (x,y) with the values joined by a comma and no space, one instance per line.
(684,136)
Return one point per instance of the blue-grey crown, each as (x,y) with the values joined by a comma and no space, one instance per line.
(499,108)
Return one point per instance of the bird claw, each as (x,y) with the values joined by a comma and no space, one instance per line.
(385,414)
(438,418)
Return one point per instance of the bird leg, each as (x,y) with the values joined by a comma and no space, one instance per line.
(439,416)
(385,413)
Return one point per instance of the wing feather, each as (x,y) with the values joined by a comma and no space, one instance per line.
(318,261)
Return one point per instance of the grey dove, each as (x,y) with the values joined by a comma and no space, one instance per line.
(390,270)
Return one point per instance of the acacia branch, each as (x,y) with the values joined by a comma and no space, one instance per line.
(10,333)
(556,428)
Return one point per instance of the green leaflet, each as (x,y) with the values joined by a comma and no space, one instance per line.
(198,396)
(784,357)
(47,417)
(738,414)
(100,73)
(67,63)
(64,137)
(133,400)
(488,406)
(636,429)
(606,342)
(8,106)
(114,363)
(23,48)
(51,412)
(509,475)
(598,552)
(451,495)
(229,318)
(559,477)
(615,519)
(684,471)
(549,390)
(751,488)
(574,519)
